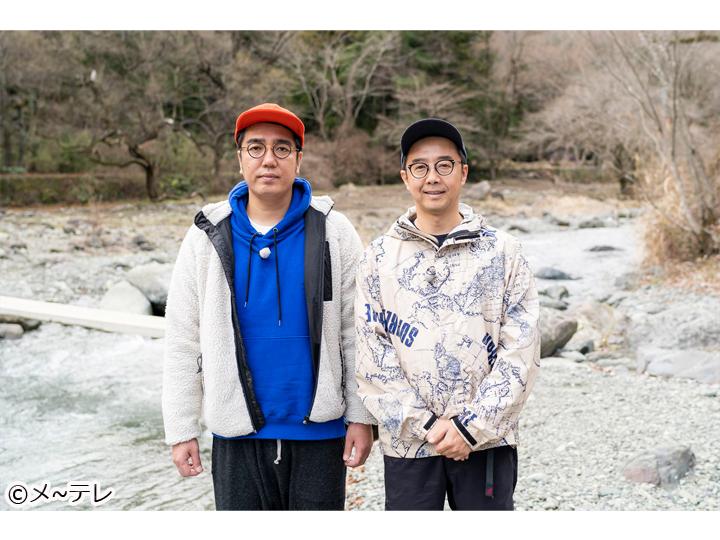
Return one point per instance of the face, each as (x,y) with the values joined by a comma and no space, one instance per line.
(269,176)
(435,194)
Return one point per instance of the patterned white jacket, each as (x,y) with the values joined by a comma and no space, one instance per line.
(445,332)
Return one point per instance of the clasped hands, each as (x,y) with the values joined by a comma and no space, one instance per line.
(447,441)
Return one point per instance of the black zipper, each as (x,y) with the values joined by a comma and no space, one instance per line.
(214,235)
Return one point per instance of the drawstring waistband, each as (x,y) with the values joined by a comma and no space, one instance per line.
(489,482)
(279,453)
(277,270)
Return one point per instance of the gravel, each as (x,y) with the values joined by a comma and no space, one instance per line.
(581,426)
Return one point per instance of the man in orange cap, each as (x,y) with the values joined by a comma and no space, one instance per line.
(260,333)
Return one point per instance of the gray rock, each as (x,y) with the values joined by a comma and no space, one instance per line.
(627,281)
(556,331)
(27,324)
(553,220)
(143,243)
(598,222)
(519,228)
(11,331)
(478,191)
(616,299)
(124,297)
(602,248)
(552,273)
(593,223)
(553,304)
(584,346)
(154,281)
(699,365)
(3,254)
(629,213)
(661,467)
(556,292)
(575,356)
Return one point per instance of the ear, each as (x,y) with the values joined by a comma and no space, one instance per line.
(403,175)
(297,165)
(239,156)
(465,170)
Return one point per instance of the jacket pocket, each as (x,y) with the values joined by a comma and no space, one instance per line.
(327,274)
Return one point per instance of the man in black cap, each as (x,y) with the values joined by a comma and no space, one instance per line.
(448,345)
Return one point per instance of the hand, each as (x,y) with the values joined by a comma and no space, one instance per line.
(186,457)
(447,441)
(360,437)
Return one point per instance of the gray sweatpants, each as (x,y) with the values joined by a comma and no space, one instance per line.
(267,474)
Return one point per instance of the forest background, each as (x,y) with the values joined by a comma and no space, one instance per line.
(96,116)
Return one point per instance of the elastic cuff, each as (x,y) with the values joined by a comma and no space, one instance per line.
(463,432)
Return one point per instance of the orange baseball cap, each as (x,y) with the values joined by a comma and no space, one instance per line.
(270,112)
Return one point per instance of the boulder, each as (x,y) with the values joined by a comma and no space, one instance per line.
(552,273)
(153,280)
(699,365)
(553,220)
(627,281)
(478,191)
(27,324)
(597,223)
(556,331)
(519,228)
(11,331)
(575,356)
(143,243)
(124,297)
(556,292)
(660,467)
(553,304)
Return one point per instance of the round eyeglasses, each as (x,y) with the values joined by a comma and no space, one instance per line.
(257,150)
(443,167)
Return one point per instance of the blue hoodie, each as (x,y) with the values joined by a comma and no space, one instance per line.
(272,311)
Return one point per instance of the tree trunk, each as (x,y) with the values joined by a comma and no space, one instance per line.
(151,182)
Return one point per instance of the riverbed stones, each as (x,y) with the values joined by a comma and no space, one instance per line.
(552,273)
(661,467)
(556,331)
(479,191)
(27,324)
(11,331)
(153,280)
(125,297)
(556,292)
(703,366)
(603,248)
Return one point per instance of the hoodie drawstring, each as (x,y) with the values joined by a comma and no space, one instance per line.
(277,278)
(279,453)
(247,286)
(277,271)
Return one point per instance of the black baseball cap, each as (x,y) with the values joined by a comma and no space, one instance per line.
(430,127)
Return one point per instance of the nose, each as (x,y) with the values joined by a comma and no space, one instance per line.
(269,160)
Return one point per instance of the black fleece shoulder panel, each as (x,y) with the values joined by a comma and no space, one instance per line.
(221,238)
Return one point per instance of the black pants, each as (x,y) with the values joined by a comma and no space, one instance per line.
(309,475)
(422,483)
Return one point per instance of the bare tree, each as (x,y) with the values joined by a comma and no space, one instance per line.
(672,80)
(339,71)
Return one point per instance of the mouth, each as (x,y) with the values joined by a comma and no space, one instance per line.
(434,193)
(268,177)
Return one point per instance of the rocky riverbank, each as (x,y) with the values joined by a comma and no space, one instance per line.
(625,413)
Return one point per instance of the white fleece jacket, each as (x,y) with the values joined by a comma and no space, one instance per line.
(200,376)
